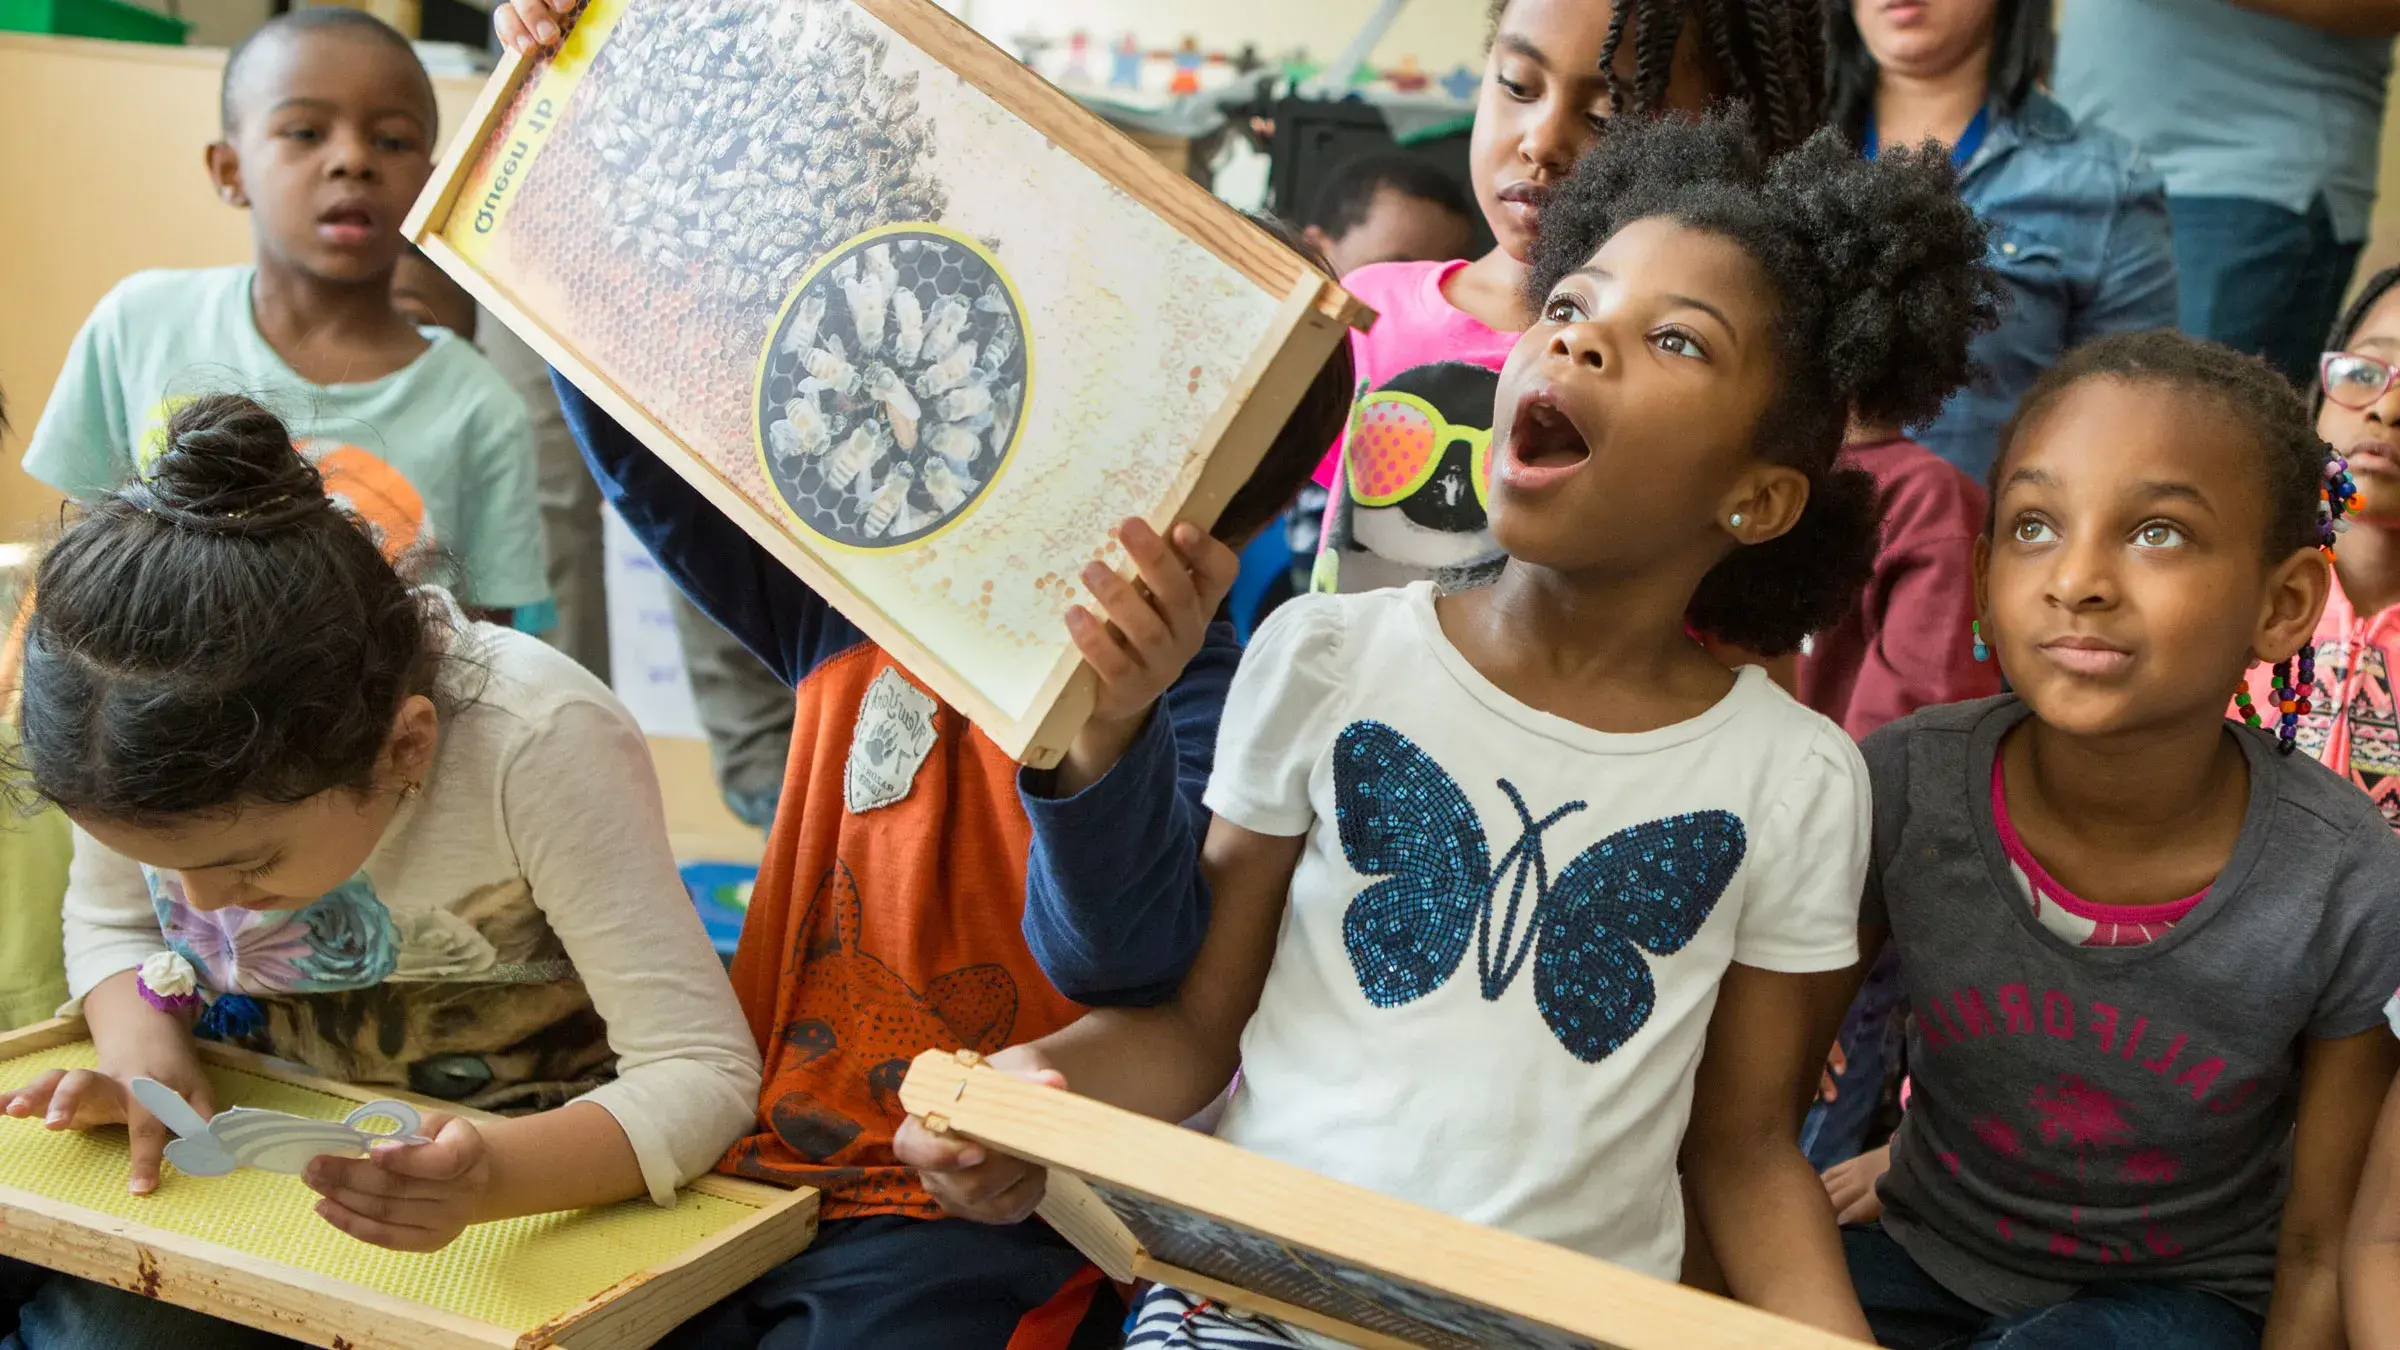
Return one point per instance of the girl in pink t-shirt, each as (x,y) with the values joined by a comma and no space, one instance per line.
(2351,724)
(1411,468)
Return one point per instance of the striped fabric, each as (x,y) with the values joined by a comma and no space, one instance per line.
(1169,1319)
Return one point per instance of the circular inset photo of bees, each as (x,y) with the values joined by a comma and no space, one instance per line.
(893,386)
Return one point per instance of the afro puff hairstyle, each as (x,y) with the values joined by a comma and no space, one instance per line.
(1879,282)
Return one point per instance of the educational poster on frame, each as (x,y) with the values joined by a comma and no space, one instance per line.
(909,315)
(1151,1201)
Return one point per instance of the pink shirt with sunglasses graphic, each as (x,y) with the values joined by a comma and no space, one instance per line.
(1405,482)
(1416,326)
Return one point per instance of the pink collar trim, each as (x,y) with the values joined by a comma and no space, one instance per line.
(2048,887)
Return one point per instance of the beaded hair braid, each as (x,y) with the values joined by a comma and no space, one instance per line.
(1767,55)
(2293,681)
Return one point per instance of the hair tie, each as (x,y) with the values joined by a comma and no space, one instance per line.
(272,514)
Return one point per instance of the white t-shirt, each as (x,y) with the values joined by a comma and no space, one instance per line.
(520,925)
(1514,1044)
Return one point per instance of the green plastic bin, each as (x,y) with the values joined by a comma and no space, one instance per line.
(92,19)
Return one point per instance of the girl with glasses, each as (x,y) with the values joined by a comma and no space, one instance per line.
(2350,723)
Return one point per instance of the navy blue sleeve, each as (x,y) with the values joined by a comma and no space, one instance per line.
(1115,906)
(734,582)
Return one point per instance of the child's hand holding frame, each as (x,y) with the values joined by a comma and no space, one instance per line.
(966,1179)
(528,26)
(1143,637)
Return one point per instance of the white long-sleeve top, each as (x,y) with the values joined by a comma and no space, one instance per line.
(518,938)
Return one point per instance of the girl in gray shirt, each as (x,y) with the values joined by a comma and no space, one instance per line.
(2143,943)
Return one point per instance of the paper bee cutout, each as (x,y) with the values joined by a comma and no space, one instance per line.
(269,1140)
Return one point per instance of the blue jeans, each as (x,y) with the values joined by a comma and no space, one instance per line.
(2261,279)
(754,809)
(1836,1131)
(1910,1311)
(61,1312)
(889,1283)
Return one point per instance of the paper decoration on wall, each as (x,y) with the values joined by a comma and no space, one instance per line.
(1463,84)
(1125,64)
(1079,60)
(1408,77)
(269,1140)
(1188,60)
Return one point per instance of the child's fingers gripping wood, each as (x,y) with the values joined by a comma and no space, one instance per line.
(527,26)
(1143,637)
(968,1180)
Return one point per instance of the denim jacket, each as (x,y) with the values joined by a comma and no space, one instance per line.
(2079,236)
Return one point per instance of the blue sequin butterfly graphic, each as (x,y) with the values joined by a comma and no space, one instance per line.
(1646,889)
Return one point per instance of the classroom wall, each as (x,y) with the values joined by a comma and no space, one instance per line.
(1441,34)
(2383,243)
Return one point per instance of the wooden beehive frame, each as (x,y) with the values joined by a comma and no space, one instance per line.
(1077,1138)
(1315,316)
(238,1287)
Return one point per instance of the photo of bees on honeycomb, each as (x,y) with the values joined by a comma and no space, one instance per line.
(713,153)
(918,349)
(893,387)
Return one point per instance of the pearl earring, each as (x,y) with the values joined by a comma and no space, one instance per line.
(1734,521)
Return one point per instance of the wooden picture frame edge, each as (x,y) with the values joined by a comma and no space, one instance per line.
(458,158)
(1078,1214)
(1184,1168)
(1315,315)
(621,1317)
(1050,110)
(225,1283)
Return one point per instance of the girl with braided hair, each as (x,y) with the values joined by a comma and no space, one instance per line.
(2149,950)
(2351,724)
(1559,73)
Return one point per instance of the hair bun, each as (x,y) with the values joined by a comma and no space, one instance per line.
(230,468)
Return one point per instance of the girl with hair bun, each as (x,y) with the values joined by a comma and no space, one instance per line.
(320,813)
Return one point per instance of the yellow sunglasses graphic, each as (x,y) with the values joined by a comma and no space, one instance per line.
(1397,441)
